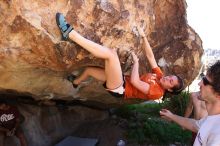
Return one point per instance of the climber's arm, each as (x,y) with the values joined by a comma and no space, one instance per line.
(148,50)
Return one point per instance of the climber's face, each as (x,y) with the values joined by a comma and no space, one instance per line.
(168,82)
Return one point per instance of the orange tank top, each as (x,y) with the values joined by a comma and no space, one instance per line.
(155,90)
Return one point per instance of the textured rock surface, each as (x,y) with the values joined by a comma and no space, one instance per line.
(34,61)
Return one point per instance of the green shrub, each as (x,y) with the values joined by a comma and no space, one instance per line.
(177,103)
(157,131)
(146,126)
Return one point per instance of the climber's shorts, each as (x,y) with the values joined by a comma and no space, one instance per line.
(117,92)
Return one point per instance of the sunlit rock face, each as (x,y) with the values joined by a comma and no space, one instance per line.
(34,60)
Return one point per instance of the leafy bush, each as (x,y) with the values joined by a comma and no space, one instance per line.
(146,126)
(177,103)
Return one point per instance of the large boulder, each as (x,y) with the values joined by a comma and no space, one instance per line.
(34,61)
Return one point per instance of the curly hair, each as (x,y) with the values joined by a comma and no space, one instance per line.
(213,73)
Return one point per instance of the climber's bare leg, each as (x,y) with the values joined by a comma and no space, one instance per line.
(95,72)
(97,50)
(113,72)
